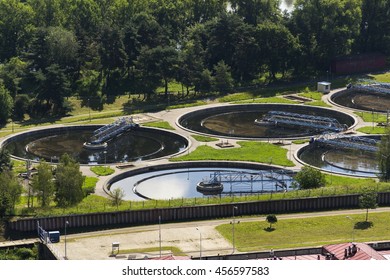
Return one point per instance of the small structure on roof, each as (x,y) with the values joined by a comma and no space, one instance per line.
(323,87)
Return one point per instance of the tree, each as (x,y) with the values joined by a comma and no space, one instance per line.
(53,87)
(310,178)
(222,79)
(10,192)
(12,74)
(257,11)
(15,27)
(326,29)
(43,185)
(6,104)
(117,196)
(271,219)
(271,38)
(367,200)
(69,182)
(383,156)
(5,161)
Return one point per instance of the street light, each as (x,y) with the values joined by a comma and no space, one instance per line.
(200,243)
(159,232)
(234,221)
(353,229)
(66,224)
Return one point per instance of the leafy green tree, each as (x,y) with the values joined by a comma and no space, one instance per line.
(156,65)
(257,11)
(10,192)
(5,160)
(368,200)
(310,178)
(12,72)
(375,26)
(69,182)
(48,12)
(383,156)
(202,11)
(117,196)
(112,52)
(6,104)
(205,81)
(222,80)
(43,184)
(271,219)
(271,38)
(326,29)
(15,27)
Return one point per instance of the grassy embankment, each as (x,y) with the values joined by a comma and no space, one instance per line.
(307,232)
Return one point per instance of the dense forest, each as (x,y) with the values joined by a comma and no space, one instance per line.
(53,49)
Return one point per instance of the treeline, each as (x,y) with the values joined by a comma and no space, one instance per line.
(52,49)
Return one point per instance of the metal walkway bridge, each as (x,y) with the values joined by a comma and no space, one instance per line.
(355,142)
(294,119)
(245,182)
(109,131)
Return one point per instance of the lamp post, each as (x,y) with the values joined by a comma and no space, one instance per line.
(353,231)
(159,232)
(200,243)
(89,111)
(234,221)
(66,224)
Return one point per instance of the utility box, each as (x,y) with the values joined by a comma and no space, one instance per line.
(323,87)
(54,236)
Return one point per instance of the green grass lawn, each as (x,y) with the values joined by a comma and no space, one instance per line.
(102,170)
(372,130)
(318,103)
(249,151)
(307,232)
(266,100)
(202,138)
(372,117)
(315,95)
(159,124)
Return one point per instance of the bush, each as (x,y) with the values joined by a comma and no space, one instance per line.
(310,178)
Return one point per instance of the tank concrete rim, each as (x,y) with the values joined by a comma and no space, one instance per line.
(336,93)
(11,138)
(189,164)
(303,163)
(178,120)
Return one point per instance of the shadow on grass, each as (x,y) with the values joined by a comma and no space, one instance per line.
(268,229)
(363,225)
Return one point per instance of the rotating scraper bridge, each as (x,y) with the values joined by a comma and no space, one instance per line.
(302,120)
(104,134)
(355,142)
(371,86)
(243,182)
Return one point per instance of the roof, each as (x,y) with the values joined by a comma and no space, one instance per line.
(346,251)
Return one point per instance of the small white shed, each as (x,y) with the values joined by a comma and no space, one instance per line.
(323,87)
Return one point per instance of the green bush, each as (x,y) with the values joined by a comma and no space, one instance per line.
(310,178)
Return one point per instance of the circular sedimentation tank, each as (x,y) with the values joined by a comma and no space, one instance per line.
(239,121)
(362,100)
(345,161)
(181,180)
(135,145)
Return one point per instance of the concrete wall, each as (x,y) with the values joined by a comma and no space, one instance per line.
(151,216)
